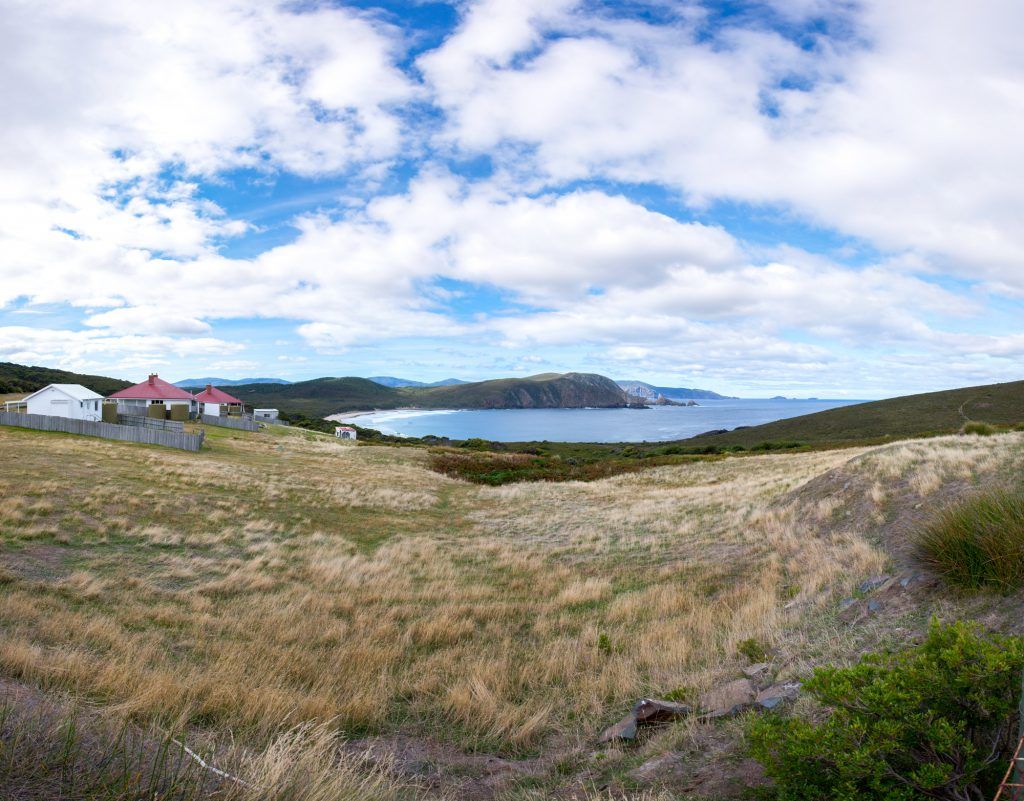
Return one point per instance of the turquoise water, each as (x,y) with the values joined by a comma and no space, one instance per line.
(591,425)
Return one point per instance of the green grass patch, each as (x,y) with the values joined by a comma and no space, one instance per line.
(979,543)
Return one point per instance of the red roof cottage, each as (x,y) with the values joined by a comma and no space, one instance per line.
(154,389)
(217,401)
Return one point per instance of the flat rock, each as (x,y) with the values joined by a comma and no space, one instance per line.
(874,582)
(659,768)
(625,729)
(851,612)
(645,712)
(728,699)
(771,697)
(757,670)
(654,710)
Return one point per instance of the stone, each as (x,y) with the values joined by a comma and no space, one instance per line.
(625,729)
(771,697)
(645,712)
(874,582)
(851,613)
(660,767)
(728,699)
(756,671)
(654,710)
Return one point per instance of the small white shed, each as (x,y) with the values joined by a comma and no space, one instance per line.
(65,400)
(268,415)
(344,432)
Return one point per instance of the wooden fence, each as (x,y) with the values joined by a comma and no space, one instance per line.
(149,422)
(90,428)
(243,423)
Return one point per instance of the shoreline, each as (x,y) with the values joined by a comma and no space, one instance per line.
(341,417)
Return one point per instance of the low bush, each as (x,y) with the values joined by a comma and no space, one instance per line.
(936,721)
(753,650)
(978,542)
(978,429)
(496,469)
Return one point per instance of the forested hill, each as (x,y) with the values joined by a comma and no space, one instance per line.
(324,396)
(22,378)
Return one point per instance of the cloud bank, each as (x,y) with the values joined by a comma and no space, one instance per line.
(821,195)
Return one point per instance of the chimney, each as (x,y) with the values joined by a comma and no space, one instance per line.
(151,377)
(209,387)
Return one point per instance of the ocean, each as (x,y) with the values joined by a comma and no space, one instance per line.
(656,424)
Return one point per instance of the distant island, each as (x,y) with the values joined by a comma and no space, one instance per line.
(642,389)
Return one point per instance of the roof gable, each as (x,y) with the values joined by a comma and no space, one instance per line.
(213,395)
(153,388)
(74,391)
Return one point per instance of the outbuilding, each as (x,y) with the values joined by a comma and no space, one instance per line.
(65,400)
(155,391)
(344,432)
(265,415)
(217,402)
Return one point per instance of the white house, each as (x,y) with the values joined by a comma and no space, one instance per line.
(344,432)
(65,400)
(267,415)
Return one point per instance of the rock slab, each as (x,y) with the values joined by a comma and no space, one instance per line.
(728,699)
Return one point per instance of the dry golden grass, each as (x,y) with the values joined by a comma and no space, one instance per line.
(281,580)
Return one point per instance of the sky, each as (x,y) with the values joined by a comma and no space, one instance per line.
(801,197)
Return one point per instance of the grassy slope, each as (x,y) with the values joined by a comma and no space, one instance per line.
(911,415)
(20,378)
(284,576)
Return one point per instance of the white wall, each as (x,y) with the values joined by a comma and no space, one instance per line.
(55,403)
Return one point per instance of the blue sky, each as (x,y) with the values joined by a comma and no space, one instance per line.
(795,197)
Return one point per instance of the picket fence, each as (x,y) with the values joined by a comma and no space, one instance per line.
(90,428)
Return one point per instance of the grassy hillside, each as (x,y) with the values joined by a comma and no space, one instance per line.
(283,578)
(21,378)
(895,418)
(320,396)
(324,396)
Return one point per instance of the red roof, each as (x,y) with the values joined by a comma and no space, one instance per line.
(153,388)
(213,395)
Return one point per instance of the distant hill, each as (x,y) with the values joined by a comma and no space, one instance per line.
(324,396)
(227,382)
(651,392)
(391,381)
(911,415)
(21,378)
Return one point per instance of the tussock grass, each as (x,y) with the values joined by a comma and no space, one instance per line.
(978,428)
(282,580)
(979,543)
(55,752)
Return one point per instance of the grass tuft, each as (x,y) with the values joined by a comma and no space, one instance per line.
(979,543)
(978,429)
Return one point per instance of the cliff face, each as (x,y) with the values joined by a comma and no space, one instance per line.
(569,391)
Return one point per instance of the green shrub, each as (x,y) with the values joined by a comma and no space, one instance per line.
(978,542)
(752,649)
(978,429)
(937,721)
